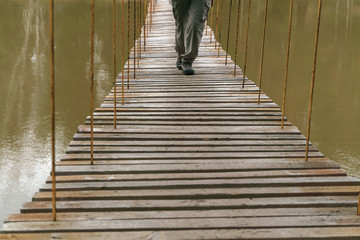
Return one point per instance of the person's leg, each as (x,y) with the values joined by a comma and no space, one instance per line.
(181,15)
(194,30)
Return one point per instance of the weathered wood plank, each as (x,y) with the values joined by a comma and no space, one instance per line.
(201,175)
(180,224)
(193,204)
(200,193)
(331,233)
(216,213)
(244,165)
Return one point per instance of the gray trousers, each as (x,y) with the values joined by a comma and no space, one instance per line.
(190,16)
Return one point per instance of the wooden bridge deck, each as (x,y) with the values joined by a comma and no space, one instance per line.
(193,157)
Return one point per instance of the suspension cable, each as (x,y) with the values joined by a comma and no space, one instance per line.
(122,52)
(145,3)
(228,33)
(287,63)
(217,21)
(211,22)
(128,45)
(140,31)
(92,84)
(135,32)
(313,80)
(247,42)
(263,50)
(237,37)
(151,14)
(114,55)
(52,83)
(221,16)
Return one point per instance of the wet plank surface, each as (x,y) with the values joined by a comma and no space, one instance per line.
(192,157)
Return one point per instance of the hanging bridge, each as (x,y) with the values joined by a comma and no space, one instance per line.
(190,157)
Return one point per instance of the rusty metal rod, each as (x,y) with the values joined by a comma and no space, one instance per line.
(217,21)
(114,55)
(221,16)
(313,80)
(263,50)
(358,208)
(145,3)
(92,83)
(287,63)
(237,37)
(52,89)
(247,42)
(140,31)
(128,45)
(135,31)
(122,53)
(211,22)
(151,14)
(228,33)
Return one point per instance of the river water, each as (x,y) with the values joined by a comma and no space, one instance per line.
(25,95)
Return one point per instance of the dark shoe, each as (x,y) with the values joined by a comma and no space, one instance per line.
(179,63)
(187,68)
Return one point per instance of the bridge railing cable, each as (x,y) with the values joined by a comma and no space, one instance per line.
(228,32)
(246,43)
(52,86)
(263,49)
(237,36)
(313,79)
(287,63)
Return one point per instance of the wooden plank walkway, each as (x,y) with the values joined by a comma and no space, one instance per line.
(193,157)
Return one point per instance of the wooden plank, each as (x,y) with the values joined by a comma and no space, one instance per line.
(187,149)
(216,213)
(349,233)
(200,193)
(192,156)
(190,130)
(193,204)
(207,183)
(173,143)
(189,137)
(201,175)
(180,224)
(186,168)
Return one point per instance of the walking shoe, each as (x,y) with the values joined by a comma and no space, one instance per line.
(179,63)
(187,68)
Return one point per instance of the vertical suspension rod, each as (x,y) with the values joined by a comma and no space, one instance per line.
(217,21)
(313,80)
(92,83)
(263,50)
(52,79)
(145,27)
(287,63)
(122,56)
(228,33)
(221,17)
(114,55)
(128,45)
(247,42)
(135,31)
(211,22)
(237,37)
(151,14)
(140,30)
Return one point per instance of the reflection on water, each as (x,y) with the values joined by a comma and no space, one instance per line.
(24,79)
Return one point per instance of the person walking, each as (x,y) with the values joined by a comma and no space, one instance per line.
(190,16)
